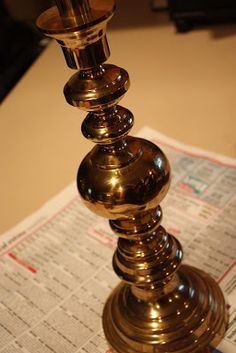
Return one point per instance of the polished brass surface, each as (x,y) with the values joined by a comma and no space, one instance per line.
(160,305)
(73,10)
(97,89)
(114,183)
(184,316)
(79,26)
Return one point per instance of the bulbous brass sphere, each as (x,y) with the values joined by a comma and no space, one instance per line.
(124,178)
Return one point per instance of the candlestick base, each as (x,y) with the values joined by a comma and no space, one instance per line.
(185,316)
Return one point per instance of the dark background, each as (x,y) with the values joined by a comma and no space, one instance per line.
(20,41)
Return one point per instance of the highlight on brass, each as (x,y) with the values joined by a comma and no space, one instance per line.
(160,305)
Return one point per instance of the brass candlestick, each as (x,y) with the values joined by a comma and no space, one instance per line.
(160,305)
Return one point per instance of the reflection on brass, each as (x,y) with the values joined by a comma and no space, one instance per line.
(160,305)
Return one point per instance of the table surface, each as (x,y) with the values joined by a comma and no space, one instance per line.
(183,85)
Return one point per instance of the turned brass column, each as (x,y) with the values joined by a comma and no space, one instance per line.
(160,305)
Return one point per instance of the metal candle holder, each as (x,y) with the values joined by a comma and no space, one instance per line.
(160,305)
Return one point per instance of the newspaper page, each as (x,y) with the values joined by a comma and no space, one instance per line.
(55,266)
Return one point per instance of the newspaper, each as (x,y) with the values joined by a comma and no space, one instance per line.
(55,266)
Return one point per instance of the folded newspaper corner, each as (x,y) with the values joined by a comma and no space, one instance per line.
(55,266)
